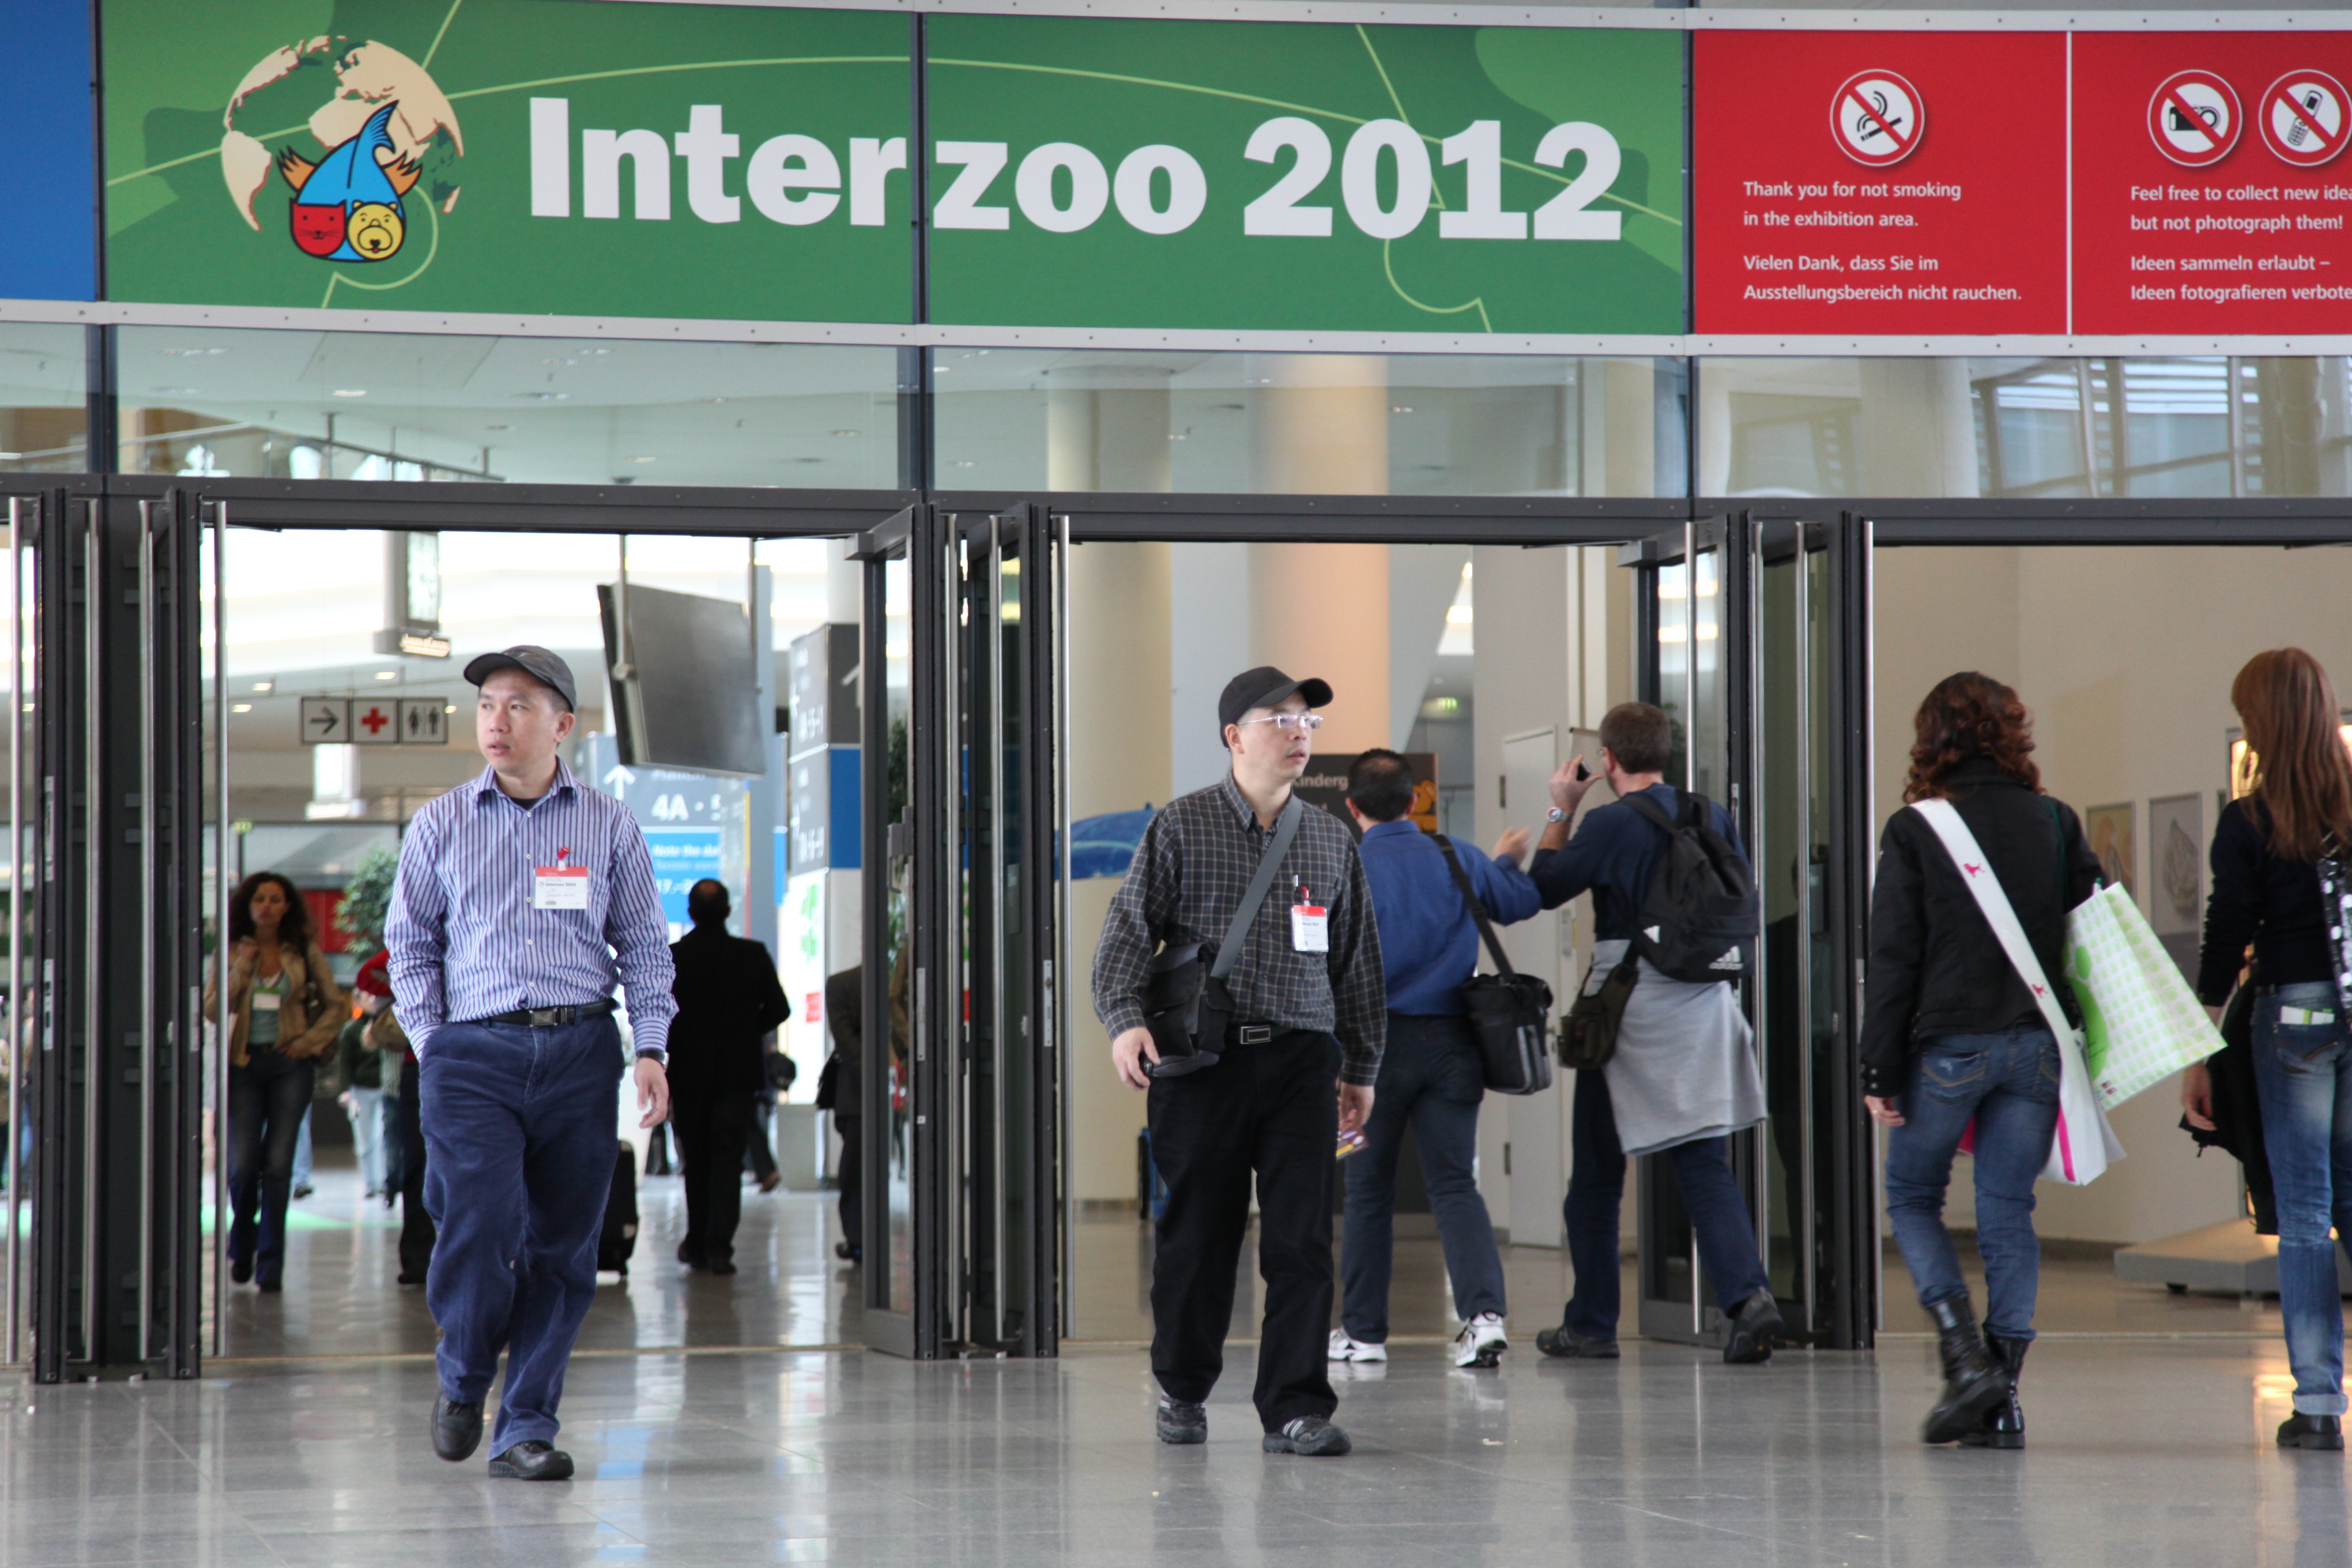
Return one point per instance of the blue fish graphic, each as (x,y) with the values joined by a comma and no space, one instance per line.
(347,207)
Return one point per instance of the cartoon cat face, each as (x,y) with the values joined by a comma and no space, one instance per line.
(377,229)
(318,226)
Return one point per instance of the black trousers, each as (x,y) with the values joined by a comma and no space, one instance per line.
(711,1126)
(416,1233)
(1271,1109)
(852,1176)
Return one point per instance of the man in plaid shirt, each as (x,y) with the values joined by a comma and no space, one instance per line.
(1308,1007)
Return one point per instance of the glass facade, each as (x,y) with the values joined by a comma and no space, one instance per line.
(43,410)
(406,405)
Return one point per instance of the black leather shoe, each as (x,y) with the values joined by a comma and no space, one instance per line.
(272,1286)
(1178,1422)
(1754,1330)
(240,1269)
(722,1265)
(408,1278)
(532,1461)
(1308,1435)
(847,1253)
(457,1427)
(1563,1345)
(2301,1431)
(1974,1383)
(690,1258)
(2004,1427)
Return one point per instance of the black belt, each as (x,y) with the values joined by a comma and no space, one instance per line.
(549,1017)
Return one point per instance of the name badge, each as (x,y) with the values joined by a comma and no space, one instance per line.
(267,1000)
(559,887)
(1310,928)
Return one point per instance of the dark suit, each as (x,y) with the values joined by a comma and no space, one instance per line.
(845,1011)
(728,1002)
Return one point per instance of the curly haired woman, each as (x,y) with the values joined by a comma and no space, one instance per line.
(1951,1035)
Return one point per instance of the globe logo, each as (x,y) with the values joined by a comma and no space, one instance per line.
(385,130)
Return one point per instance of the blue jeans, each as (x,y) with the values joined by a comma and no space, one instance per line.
(1596,1193)
(2007,1083)
(267,1099)
(1431,1077)
(2304,1079)
(520,1128)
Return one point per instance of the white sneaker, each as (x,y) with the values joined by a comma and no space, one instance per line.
(1345,1349)
(1480,1342)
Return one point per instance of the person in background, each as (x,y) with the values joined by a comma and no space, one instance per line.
(303,1186)
(1951,1037)
(2266,893)
(359,1068)
(1432,1078)
(841,1087)
(1308,1018)
(284,1012)
(416,1231)
(729,1004)
(1684,1077)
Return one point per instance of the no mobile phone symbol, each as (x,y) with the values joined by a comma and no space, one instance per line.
(2303,118)
(2193,118)
(1878,118)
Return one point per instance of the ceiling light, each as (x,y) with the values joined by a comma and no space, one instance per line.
(387,675)
(264,686)
(351,392)
(10,457)
(844,432)
(498,427)
(190,354)
(187,391)
(451,708)
(641,459)
(546,396)
(240,707)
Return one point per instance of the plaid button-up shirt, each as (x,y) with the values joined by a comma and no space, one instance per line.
(1195,862)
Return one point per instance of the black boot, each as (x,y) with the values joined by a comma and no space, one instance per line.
(2005,1427)
(1973,1384)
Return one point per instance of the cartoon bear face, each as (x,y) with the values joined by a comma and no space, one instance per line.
(377,229)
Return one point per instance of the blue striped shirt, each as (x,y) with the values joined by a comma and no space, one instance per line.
(465,942)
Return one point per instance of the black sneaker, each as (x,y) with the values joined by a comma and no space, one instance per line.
(457,1427)
(1308,1435)
(2301,1431)
(1178,1422)
(532,1461)
(1564,1344)
(1754,1330)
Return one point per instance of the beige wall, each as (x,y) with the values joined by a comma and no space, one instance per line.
(2126,656)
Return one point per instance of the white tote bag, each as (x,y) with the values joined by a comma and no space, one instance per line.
(2083,1146)
(2141,1021)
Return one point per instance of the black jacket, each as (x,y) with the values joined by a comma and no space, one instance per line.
(729,1000)
(1936,967)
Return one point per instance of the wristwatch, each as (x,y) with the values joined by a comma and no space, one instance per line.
(659,1058)
(1556,814)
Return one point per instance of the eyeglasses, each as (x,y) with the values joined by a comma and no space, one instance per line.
(1287,722)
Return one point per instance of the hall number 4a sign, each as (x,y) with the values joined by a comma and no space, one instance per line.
(375,721)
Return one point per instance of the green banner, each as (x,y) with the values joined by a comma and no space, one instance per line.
(537,156)
(1305,177)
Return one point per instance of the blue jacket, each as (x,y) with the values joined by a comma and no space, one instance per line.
(1614,853)
(1429,943)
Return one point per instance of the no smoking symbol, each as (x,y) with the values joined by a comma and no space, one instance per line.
(2194,119)
(1878,118)
(2303,118)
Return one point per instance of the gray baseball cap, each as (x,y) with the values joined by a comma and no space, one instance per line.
(541,663)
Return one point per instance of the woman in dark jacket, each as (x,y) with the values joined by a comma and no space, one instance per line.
(2266,893)
(1952,1036)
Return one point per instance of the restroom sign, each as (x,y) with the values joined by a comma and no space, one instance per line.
(1878,118)
(2194,118)
(2303,118)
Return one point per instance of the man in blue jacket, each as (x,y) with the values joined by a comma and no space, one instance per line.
(1431,1077)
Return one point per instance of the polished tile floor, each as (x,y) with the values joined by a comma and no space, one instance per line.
(2147,1452)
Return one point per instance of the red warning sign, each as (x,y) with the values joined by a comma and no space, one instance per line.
(2194,118)
(1878,118)
(2303,118)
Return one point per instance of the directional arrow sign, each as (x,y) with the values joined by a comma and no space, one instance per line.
(326,720)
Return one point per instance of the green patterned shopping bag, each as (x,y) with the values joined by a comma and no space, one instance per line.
(2141,1021)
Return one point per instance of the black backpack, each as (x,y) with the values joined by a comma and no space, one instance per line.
(1699,921)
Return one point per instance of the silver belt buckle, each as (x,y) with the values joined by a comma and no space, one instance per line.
(1255,1034)
(544,1017)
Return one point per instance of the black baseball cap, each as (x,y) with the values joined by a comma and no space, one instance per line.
(1263,687)
(541,663)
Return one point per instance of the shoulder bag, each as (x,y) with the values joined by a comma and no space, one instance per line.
(1509,1012)
(1588,1034)
(1185,1004)
(2084,1145)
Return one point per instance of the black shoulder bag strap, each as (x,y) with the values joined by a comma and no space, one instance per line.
(1286,828)
(1645,807)
(1477,909)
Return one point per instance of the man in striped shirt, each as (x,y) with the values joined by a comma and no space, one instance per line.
(522,897)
